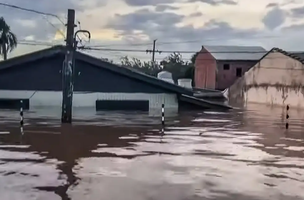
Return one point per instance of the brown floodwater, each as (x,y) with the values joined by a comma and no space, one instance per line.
(240,154)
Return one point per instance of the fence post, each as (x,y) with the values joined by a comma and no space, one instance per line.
(287,117)
(21,116)
(163,118)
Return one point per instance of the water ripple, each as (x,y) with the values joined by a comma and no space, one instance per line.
(243,154)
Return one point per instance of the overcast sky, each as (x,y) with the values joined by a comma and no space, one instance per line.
(176,24)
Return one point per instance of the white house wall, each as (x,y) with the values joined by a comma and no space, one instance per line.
(276,80)
(46,99)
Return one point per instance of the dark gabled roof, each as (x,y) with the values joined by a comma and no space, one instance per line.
(299,56)
(96,62)
(32,56)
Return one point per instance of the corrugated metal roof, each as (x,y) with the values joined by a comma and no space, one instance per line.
(236,52)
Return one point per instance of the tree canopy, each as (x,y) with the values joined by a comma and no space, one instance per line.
(149,68)
(8,40)
(174,63)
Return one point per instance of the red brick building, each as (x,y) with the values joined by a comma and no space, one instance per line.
(217,67)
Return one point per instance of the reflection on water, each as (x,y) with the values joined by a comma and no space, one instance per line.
(211,155)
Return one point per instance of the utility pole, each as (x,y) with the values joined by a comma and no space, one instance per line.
(153,51)
(68,70)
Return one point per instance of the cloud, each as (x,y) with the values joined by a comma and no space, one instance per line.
(294,28)
(41,27)
(215,2)
(147,2)
(196,14)
(274,18)
(163,7)
(271,5)
(127,22)
(166,27)
(297,12)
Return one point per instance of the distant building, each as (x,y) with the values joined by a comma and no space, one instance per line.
(277,79)
(217,67)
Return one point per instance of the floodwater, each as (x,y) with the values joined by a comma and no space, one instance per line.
(240,154)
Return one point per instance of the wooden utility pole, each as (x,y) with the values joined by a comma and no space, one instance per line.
(68,70)
(153,51)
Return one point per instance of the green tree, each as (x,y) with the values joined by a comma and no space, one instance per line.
(145,67)
(8,40)
(175,64)
(193,58)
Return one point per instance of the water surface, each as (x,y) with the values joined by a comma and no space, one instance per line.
(242,154)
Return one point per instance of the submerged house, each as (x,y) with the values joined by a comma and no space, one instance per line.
(36,78)
(277,79)
(217,67)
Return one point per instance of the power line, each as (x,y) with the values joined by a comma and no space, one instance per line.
(118,51)
(37,12)
(183,42)
(54,27)
(31,10)
(35,44)
(177,51)
(213,39)
(121,45)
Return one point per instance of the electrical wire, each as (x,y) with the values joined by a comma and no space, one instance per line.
(24,42)
(31,10)
(63,35)
(37,44)
(121,45)
(184,42)
(214,39)
(166,51)
(37,12)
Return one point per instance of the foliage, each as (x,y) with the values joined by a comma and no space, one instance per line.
(174,63)
(193,58)
(106,60)
(8,40)
(144,67)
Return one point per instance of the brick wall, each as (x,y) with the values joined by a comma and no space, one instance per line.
(205,70)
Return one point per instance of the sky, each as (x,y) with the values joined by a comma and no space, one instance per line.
(178,25)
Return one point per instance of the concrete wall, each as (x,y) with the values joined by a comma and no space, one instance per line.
(276,80)
(225,78)
(46,99)
(205,70)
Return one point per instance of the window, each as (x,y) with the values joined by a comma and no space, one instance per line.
(14,104)
(238,72)
(122,105)
(226,66)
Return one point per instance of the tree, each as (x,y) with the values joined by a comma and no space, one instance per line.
(191,70)
(145,67)
(175,64)
(8,40)
(107,60)
(193,58)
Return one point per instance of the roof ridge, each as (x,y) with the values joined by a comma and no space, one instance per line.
(289,54)
(245,46)
(31,56)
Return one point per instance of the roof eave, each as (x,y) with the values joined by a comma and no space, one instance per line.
(31,56)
